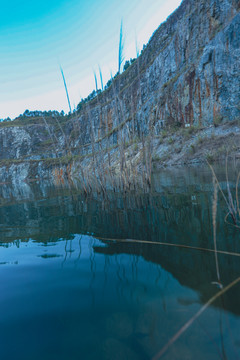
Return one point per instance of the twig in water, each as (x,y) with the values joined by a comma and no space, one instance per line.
(189,322)
(232,210)
(171,245)
(214,215)
(238,209)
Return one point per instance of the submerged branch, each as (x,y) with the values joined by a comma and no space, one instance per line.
(189,323)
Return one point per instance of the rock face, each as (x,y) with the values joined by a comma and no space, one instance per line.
(21,141)
(189,73)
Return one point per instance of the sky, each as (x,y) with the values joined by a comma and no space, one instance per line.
(39,36)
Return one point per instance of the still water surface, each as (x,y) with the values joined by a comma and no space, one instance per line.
(71,290)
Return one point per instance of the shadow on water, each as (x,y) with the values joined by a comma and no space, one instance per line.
(106,276)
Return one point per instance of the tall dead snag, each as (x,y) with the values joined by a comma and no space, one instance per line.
(66,89)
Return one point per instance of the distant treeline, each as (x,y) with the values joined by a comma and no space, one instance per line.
(53,113)
(36,113)
(96,92)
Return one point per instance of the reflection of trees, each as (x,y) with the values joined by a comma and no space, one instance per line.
(180,212)
(145,216)
(80,251)
(174,218)
(92,270)
(194,269)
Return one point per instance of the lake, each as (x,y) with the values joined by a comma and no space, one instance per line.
(117,277)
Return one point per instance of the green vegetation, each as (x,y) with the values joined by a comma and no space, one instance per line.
(135,147)
(192,149)
(128,63)
(210,157)
(32,117)
(156,157)
(9,162)
(192,130)
(47,142)
(200,140)
(170,141)
(217,120)
(164,134)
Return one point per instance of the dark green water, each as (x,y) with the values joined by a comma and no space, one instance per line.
(69,292)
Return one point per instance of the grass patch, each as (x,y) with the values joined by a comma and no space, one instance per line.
(164,134)
(192,149)
(170,141)
(217,120)
(47,142)
(9,162)
(210,157)
(156,157)
(200,140)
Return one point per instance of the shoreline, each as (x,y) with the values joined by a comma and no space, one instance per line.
(172,148)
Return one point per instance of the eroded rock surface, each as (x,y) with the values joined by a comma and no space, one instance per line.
(188,74)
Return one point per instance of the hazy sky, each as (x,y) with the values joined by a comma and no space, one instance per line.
(36,36)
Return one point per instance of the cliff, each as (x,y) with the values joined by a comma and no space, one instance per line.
(188,74)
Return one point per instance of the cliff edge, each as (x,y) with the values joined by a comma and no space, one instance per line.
(187,76)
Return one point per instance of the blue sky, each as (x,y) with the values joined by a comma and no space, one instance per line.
(37,36)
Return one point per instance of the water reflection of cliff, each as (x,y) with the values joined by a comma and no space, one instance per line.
(177,211)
